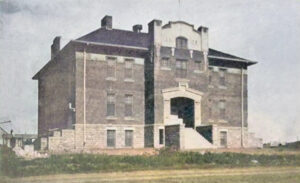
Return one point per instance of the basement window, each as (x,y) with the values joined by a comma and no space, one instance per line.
(223,139)
(161,136)
(111,138)
(128,138)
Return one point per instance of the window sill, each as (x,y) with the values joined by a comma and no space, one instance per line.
(210,86)
(165,68)
(111,118)
(223,121)
(211,121)
(222,87)
(128,118)
(111,79)
(198,71)
(128,80)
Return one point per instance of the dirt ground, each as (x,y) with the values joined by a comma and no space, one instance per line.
(249,175)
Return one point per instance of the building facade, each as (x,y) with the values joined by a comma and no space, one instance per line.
(129,89)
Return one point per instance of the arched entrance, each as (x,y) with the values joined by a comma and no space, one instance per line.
(187,98)
(184,109)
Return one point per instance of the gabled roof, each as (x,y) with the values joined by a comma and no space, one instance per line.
(117,37)
(215,54)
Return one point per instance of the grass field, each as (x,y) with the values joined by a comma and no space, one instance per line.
(249,166)
(219,175)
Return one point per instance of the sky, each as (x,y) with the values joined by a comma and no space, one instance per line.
(267,31)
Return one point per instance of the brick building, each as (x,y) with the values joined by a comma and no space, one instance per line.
(129,89)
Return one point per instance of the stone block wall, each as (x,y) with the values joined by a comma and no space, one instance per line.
(96,135)
(234,137)
(62,140)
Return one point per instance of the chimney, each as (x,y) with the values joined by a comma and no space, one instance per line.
(137,28)
(154,29)
(204,38)
(106,22)
(55,47)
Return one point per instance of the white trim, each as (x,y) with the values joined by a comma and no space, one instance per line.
(222,87)
(164,68)
(111,128)
(113,45)
(198,71)
(111,79)
(129,118)
(111,118)
(129,80)
(223,130)
(129,128)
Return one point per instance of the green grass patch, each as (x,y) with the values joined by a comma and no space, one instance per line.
(12,166)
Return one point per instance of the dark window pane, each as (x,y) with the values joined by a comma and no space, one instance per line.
(128,138)
(223,139)
(222,81)
(128,105)
(210,79)
(129,69)
(181,68)
(111,138)
(165,62)
(110,105)
(111,68)
(181,43)
(222,110)
(161,136)
(110,109)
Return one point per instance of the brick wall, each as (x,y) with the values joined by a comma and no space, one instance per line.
(55,92)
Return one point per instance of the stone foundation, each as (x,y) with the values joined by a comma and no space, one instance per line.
(234,135)
(93,136)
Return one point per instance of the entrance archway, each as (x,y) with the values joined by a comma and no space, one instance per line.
(184,109)
(186,93)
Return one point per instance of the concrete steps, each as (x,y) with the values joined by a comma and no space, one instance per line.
(193,140)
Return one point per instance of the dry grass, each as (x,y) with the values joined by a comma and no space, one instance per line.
(249,175)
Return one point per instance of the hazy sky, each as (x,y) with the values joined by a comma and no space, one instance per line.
(267,31)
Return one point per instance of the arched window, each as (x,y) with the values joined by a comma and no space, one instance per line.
(181,43)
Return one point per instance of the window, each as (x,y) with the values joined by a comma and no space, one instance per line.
(128,105)
(210,112)
(210,79)
(181,68)
(198,66)
(111,67)
(222,109)
(128,69)
(223,139)
(111,138)
(165,62)
(222,77)
(181,43)
(161,136)
(111,104)
(128,138)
